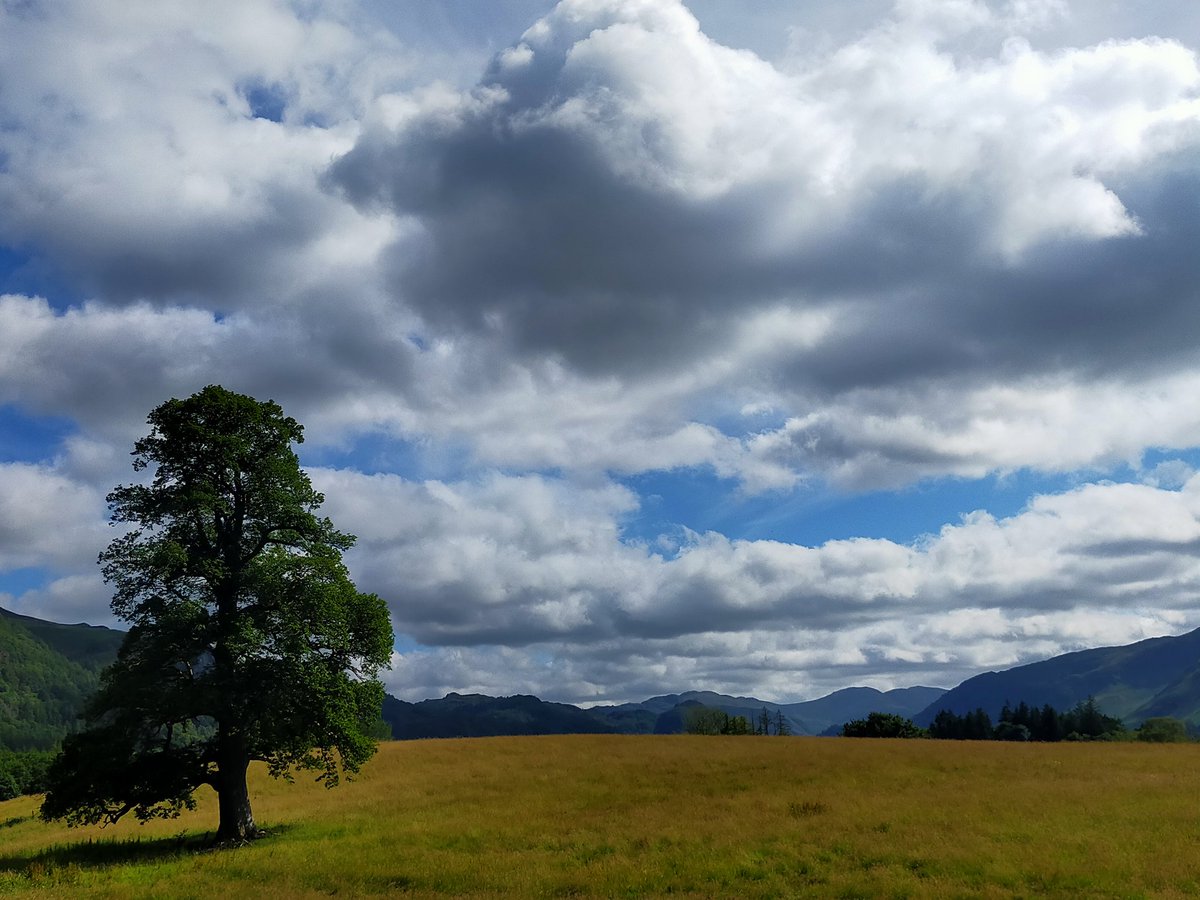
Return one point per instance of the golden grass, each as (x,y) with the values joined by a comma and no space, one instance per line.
(650,816)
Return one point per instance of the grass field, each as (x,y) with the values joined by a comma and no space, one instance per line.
(649,816)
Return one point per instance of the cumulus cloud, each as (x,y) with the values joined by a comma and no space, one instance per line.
(619,166)
(626,194)
(139,163)
(667,230)
(540,564)
(48,519)
(862,244)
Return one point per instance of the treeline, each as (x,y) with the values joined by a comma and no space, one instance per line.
(709,720)
(1083,722)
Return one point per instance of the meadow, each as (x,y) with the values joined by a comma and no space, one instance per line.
(633,816)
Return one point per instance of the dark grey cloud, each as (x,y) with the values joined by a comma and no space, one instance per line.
(1123,306)
(531,230)
(536,229)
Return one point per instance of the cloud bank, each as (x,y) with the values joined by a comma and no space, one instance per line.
(509,268)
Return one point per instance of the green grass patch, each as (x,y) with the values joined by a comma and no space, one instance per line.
(635,816)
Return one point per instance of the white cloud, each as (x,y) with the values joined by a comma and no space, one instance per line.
(887,439)
(70,600)
(540,564)
(134,161)
(942,240)
(47,519)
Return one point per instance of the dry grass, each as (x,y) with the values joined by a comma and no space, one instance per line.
(650,816)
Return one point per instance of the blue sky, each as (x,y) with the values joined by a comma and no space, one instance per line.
(765,348)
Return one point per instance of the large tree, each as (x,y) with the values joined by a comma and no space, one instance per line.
(248,640)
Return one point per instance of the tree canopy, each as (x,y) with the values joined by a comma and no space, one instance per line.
(248,639)
(882,725)
(1083,722)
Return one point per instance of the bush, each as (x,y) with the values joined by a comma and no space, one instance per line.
(882,725)
(23,772)
(1163,730)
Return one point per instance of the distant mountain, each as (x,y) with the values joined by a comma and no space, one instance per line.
(476,715)
(665,713)
(819,716)
(828,714)
(47,672)
(1154,677)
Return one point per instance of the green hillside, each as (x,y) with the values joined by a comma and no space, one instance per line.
(91,646)
(47,672)
(1154,677)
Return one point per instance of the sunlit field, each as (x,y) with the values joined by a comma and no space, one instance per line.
(681,815)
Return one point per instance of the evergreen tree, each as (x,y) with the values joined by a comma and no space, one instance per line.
(1049,725)
(978,725)
(782,729)
(947,726)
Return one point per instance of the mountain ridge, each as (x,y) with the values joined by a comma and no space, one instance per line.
(1157,676)
(48,669)
(478,715)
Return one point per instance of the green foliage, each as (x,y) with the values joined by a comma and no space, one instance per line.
(248,641)
(23,772)
(1163,730)
(1083,722)
(974,726)
(882,725)
(41,689)
(699,719)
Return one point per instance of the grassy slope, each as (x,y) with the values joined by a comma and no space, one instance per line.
(637,815)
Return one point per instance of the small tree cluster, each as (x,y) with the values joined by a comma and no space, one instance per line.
(974,726)
(1083,722)
(766,724)
(1163,730)
(882,725)
(708,720)
(23,772)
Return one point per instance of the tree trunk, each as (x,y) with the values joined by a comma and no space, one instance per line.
(233,800)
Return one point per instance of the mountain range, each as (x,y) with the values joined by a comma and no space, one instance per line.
(474,715)
(48,670)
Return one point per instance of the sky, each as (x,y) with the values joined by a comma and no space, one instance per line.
(646,345)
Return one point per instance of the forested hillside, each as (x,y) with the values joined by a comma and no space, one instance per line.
(474,715)
(47,672)
(1134,682)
